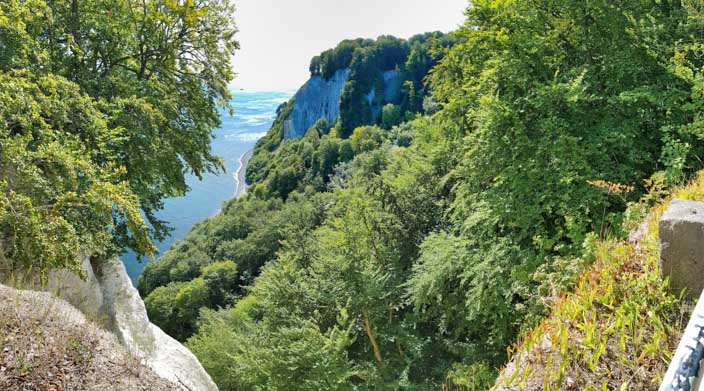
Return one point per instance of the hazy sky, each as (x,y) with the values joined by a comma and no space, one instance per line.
(279,37)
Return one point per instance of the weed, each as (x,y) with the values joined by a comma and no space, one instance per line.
(617,329)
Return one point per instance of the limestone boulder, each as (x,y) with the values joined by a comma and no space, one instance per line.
(681,234)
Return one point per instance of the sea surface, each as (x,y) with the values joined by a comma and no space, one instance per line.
(254,114)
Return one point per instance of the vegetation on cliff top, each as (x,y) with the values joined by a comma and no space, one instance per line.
(367,60)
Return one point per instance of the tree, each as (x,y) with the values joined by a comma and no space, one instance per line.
(162,308)
(57,196)
(346,151)
(366,138)
(222,280)
(192,296)
(238,354)
(326,157)
(355,109)
(390,116)
(315,66)
(175,307)
(322,127)
(157,71)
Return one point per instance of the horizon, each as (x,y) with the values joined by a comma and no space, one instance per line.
(268,63)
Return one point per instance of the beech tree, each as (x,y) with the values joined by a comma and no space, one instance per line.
(118,93)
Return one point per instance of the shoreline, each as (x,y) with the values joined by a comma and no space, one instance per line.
(240,175)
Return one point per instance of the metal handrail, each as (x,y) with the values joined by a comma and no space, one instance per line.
(685,370)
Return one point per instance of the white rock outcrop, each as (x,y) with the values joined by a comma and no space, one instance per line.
(86,295)
(317,99)
(129,321)
(320,98)
(108,297)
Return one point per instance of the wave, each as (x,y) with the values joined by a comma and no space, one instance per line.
(254,119)
(245,136)
(268,105)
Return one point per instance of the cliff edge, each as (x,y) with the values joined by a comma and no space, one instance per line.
(107,296)
(47,344)
(320,99)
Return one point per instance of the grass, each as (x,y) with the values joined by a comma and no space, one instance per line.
(617,330)
(46,344)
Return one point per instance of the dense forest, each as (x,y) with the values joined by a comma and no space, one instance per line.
(408,250)
(410,255)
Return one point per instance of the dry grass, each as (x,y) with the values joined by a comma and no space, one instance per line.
(617,330)
(46,344)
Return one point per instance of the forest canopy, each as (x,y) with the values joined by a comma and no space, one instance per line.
(98,123)
(415,256)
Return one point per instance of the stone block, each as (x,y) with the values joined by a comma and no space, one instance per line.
(681,234)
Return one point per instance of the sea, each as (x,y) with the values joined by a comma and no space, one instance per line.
(254,115)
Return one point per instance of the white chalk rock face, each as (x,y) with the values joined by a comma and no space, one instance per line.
(317,99)
(130,323)
(86,295)
(320,99)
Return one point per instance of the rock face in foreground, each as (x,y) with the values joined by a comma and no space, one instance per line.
(47,344)
(108,297)
(129,321)
(86,295)
(681,231)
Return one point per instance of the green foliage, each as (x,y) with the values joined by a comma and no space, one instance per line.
(230,351)
(390,116)
(222,280)
(60,181)
(161,308)
(175,306)
(474,377)
(223,254)
(162,87)
(430,247)
(310,162)
(350,267)
(366,138)
(99,122)
(333,60)
(190,298)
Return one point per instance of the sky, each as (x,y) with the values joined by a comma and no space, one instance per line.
(279,37)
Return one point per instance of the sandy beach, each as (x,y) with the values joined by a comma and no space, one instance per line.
(241,174)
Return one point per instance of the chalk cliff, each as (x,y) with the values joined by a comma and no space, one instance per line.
(317,99)
(320,99)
